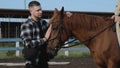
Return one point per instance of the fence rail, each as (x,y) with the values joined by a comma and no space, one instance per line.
(17,48)
(10,40)
(10,48)
(20,48)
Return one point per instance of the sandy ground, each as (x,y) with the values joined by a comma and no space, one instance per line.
(74,63)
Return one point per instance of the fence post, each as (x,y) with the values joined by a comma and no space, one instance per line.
(17,51)
(66,51)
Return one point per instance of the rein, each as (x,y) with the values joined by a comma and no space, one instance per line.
(88,38)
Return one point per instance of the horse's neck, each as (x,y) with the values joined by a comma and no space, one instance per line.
(76,24)
(84,28)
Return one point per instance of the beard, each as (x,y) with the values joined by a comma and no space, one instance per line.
(38,16)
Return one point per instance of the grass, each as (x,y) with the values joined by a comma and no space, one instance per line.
(9,54)
(72,53)
(75,54)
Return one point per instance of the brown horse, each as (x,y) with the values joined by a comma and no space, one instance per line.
(96,32)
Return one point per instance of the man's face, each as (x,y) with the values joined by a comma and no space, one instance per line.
(36,11)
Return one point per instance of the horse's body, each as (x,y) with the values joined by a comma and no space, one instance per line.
(95,32)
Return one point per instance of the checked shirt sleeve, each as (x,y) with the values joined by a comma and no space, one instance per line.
(29,36)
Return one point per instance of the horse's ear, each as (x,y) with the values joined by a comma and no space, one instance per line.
(62,9)
(62,12)
(55,11)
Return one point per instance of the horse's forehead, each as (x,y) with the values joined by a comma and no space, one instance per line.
(54,17)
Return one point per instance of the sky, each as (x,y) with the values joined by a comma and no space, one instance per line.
(69,5)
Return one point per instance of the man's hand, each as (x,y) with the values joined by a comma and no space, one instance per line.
(47,35)
(69,14)
(116,18)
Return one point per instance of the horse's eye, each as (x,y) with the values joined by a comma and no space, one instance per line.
(53,22)
(54,29)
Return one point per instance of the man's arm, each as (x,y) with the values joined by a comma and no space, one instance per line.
(117,12)
(27,36)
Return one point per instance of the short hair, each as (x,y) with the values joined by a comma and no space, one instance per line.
(33,3)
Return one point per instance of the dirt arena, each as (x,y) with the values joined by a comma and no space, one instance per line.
(74,63)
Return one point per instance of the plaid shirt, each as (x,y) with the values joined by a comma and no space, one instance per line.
(31,34)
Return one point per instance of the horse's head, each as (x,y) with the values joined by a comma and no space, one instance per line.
(59,33)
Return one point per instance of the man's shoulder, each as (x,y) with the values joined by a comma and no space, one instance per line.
(28,22)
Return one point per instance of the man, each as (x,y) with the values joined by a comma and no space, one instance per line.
(32,33)
(116,17)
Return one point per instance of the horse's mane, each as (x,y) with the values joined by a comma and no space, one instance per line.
(90,22)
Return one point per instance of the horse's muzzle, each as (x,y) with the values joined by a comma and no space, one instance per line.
(51,52)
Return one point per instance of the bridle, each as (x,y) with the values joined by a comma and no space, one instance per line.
(58,36)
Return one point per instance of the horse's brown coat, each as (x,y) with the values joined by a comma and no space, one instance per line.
(103,47)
